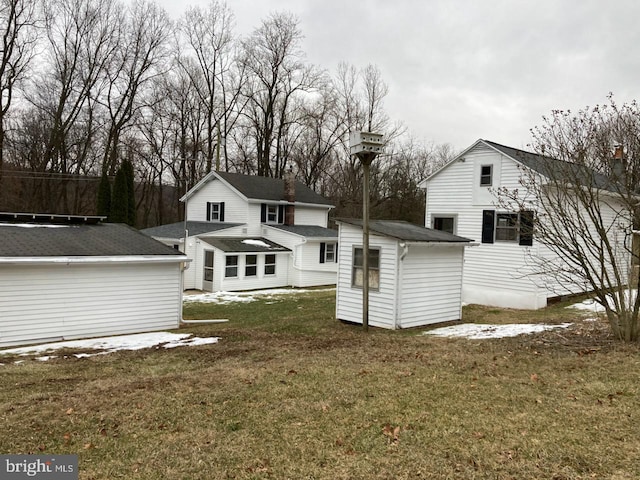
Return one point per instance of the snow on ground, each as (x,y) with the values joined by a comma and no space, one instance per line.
(590,305)
(113,344)
(484,331)
(224,298)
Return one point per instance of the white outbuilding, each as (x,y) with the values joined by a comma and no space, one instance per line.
(69,277)
(415,275)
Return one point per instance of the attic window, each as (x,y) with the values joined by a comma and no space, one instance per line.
(486,175)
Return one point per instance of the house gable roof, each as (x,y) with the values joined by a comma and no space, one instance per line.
(40,239)
(547,166)
(267,189)
(176,230)
(407,232)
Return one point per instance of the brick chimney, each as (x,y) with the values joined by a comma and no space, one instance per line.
(617,166)
(289,196)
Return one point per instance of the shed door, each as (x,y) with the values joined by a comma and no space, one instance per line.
(207,275)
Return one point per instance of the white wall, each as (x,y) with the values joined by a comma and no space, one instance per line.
(494,274)
(382,303)
(47,302)
(242,282)
(430,289)
(235,207)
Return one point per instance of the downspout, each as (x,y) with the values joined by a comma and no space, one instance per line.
(399,270)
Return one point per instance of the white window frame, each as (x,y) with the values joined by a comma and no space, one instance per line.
(330,252)
(272,213)
(231,269)
(509,230)
(483,177)
(207,274)
(269,265)
(357,272)
(214,212)
(253,265)
(453,217)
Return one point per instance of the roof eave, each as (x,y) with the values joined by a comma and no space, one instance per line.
(95,260)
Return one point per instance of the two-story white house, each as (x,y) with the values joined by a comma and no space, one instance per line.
(462,199)
(244,232)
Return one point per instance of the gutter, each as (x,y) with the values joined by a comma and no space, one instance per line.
(98,260)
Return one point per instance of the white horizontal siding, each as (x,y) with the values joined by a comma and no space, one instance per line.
(235,207)
(311,216)
(74,301)
(259,281)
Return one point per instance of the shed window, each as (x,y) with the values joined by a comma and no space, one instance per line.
(445,224)
(251,266)
(231,266)
(270,264)
(357,274)
(208,266)
(486,175)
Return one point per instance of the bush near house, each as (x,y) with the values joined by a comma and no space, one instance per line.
(289,392)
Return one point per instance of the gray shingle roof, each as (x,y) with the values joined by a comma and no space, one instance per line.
(555,169)
(270,189)
(176,230)
(308,231)
(76,240)
(242,245)
(407,232)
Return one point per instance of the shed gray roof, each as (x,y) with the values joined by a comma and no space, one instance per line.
(20,239)
(242,245)
(308,231)
(263,188)
(176,230)
(407,232)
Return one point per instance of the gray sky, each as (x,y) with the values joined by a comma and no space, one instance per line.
(462,70)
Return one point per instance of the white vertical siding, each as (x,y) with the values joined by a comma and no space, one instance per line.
(382,303)
(431,285)
(44,302)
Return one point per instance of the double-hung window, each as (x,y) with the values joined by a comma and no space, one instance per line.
(357,273)
(231,266)
(270,264)
(251,266)
(328,252)
(486,175)
(511,227)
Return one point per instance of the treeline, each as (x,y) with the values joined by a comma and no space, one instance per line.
(86,85)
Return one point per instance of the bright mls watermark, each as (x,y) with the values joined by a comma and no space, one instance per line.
(39,467)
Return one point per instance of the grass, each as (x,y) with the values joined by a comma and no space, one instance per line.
(290,393)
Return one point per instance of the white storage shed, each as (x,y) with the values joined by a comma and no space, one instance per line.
(415,276)
(68,277)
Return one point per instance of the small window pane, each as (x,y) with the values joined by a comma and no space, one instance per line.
(231,266)
(270,264)
(251,266)
(485,175)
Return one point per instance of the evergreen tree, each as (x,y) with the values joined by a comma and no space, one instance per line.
(104,196)
(127,168)
(119,200)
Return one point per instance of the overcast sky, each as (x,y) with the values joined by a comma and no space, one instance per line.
(462,70)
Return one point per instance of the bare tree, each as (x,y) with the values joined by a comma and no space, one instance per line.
(138,60)
(584,190)
(277,77)
(18,23)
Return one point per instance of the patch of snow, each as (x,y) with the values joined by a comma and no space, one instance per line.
(224,298)
(484,331)
(113,344)
(256,243)
(33,225)
(591,305)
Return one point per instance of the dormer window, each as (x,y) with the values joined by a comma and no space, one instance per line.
(486,175)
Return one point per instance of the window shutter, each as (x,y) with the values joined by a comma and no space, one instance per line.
(263,213)
(208,211)
(488,225)
(335,255)
(222,211)
(526,228)
(280,213)
(323,247)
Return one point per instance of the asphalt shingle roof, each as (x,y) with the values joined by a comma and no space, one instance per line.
(407,232)
(242,245)
(308,231)
(270,189)
(20,239)
(553,168)
(176,230)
